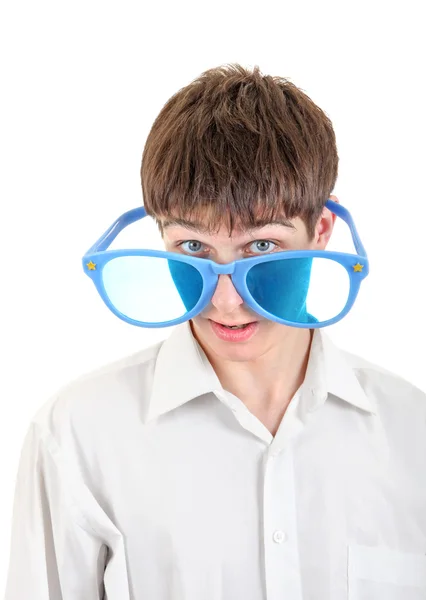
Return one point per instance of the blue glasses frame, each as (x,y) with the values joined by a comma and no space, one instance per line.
(98,255)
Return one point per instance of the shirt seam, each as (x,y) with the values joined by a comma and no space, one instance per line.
(48,440)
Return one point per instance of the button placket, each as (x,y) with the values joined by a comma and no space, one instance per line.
(282,570)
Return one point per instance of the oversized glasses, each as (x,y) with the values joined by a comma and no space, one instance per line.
(154,288)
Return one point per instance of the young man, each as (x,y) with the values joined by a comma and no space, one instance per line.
(231,461)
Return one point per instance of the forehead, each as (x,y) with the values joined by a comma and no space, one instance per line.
(213,224)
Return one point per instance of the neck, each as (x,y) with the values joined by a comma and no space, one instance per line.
(267,383)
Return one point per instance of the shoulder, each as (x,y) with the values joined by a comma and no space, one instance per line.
(388,389)
(100,397)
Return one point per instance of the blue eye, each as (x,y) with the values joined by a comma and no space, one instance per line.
(193,248)
(257,247)
(262,246)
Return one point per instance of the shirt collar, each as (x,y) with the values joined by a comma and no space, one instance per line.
(183,372)
(330,372)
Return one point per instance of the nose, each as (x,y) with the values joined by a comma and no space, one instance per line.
(226,297)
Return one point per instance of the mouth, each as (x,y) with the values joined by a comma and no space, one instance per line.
(234,325)
(234,332)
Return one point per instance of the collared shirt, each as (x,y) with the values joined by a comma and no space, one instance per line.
(146,480)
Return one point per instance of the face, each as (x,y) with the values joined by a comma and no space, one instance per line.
(227,307)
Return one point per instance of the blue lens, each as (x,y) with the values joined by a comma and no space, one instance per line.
(301,290)
(151,289)
(188,282)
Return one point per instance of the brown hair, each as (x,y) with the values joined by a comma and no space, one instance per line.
(236,146)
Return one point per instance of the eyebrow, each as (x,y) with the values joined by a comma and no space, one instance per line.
(201,228)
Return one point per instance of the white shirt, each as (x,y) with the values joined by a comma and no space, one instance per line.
(146,480)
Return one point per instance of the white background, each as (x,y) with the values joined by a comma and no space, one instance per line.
(82,82)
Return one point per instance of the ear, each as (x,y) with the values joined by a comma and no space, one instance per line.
(324,226)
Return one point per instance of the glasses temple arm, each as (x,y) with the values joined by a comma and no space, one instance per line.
(119,224)
(135,214)
(344,214)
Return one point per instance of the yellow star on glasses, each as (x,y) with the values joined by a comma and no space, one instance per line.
(358,268)
(91,266)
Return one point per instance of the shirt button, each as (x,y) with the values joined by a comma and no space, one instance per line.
(274,453)
(279,537)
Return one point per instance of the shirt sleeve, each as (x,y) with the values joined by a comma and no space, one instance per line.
(53,555)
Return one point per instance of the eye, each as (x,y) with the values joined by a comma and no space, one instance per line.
(261,246)
(192,246)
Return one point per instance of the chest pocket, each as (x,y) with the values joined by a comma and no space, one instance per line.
(378,573)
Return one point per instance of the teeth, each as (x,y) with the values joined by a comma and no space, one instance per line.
(235,326)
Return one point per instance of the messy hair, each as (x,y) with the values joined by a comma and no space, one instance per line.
(236,147)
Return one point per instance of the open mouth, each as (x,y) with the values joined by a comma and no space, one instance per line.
(240,332)
(233,327)
(239,326)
